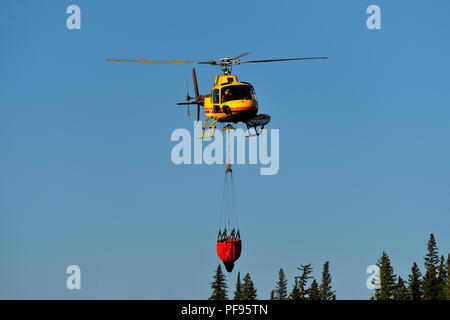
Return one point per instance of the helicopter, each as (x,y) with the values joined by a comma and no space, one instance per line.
(230,101)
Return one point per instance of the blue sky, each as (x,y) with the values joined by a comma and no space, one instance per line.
(86,175)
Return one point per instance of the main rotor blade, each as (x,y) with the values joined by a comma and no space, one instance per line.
(274,60)
(155,61)
(240,55)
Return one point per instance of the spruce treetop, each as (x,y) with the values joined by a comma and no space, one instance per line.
(219,286)
(325,289)
(249,291)
(280,292)
(238,293)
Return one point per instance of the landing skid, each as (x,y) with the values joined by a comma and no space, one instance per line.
(259,120)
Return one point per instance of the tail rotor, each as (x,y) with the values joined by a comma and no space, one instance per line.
(197,100)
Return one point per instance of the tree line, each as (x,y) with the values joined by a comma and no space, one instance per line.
(303,288)
(434,284)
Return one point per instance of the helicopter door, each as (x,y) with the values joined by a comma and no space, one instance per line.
(216,99)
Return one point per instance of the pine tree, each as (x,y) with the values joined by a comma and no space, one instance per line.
(401,292)
(303,281)
(238,292)
(442,279)
(325,289)
(295,293)
(219,286)
(448,277)
(387,279)
(248,289)
(314,293)
(280,292)
(415,283)
(272,295)
(431,286)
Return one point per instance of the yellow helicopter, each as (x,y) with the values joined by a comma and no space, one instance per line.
(230,100)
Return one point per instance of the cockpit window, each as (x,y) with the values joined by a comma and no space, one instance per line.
(238,92)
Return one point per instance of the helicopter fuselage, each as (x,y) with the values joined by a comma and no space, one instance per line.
(231,99)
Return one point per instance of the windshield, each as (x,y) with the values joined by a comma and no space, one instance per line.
(238,92)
